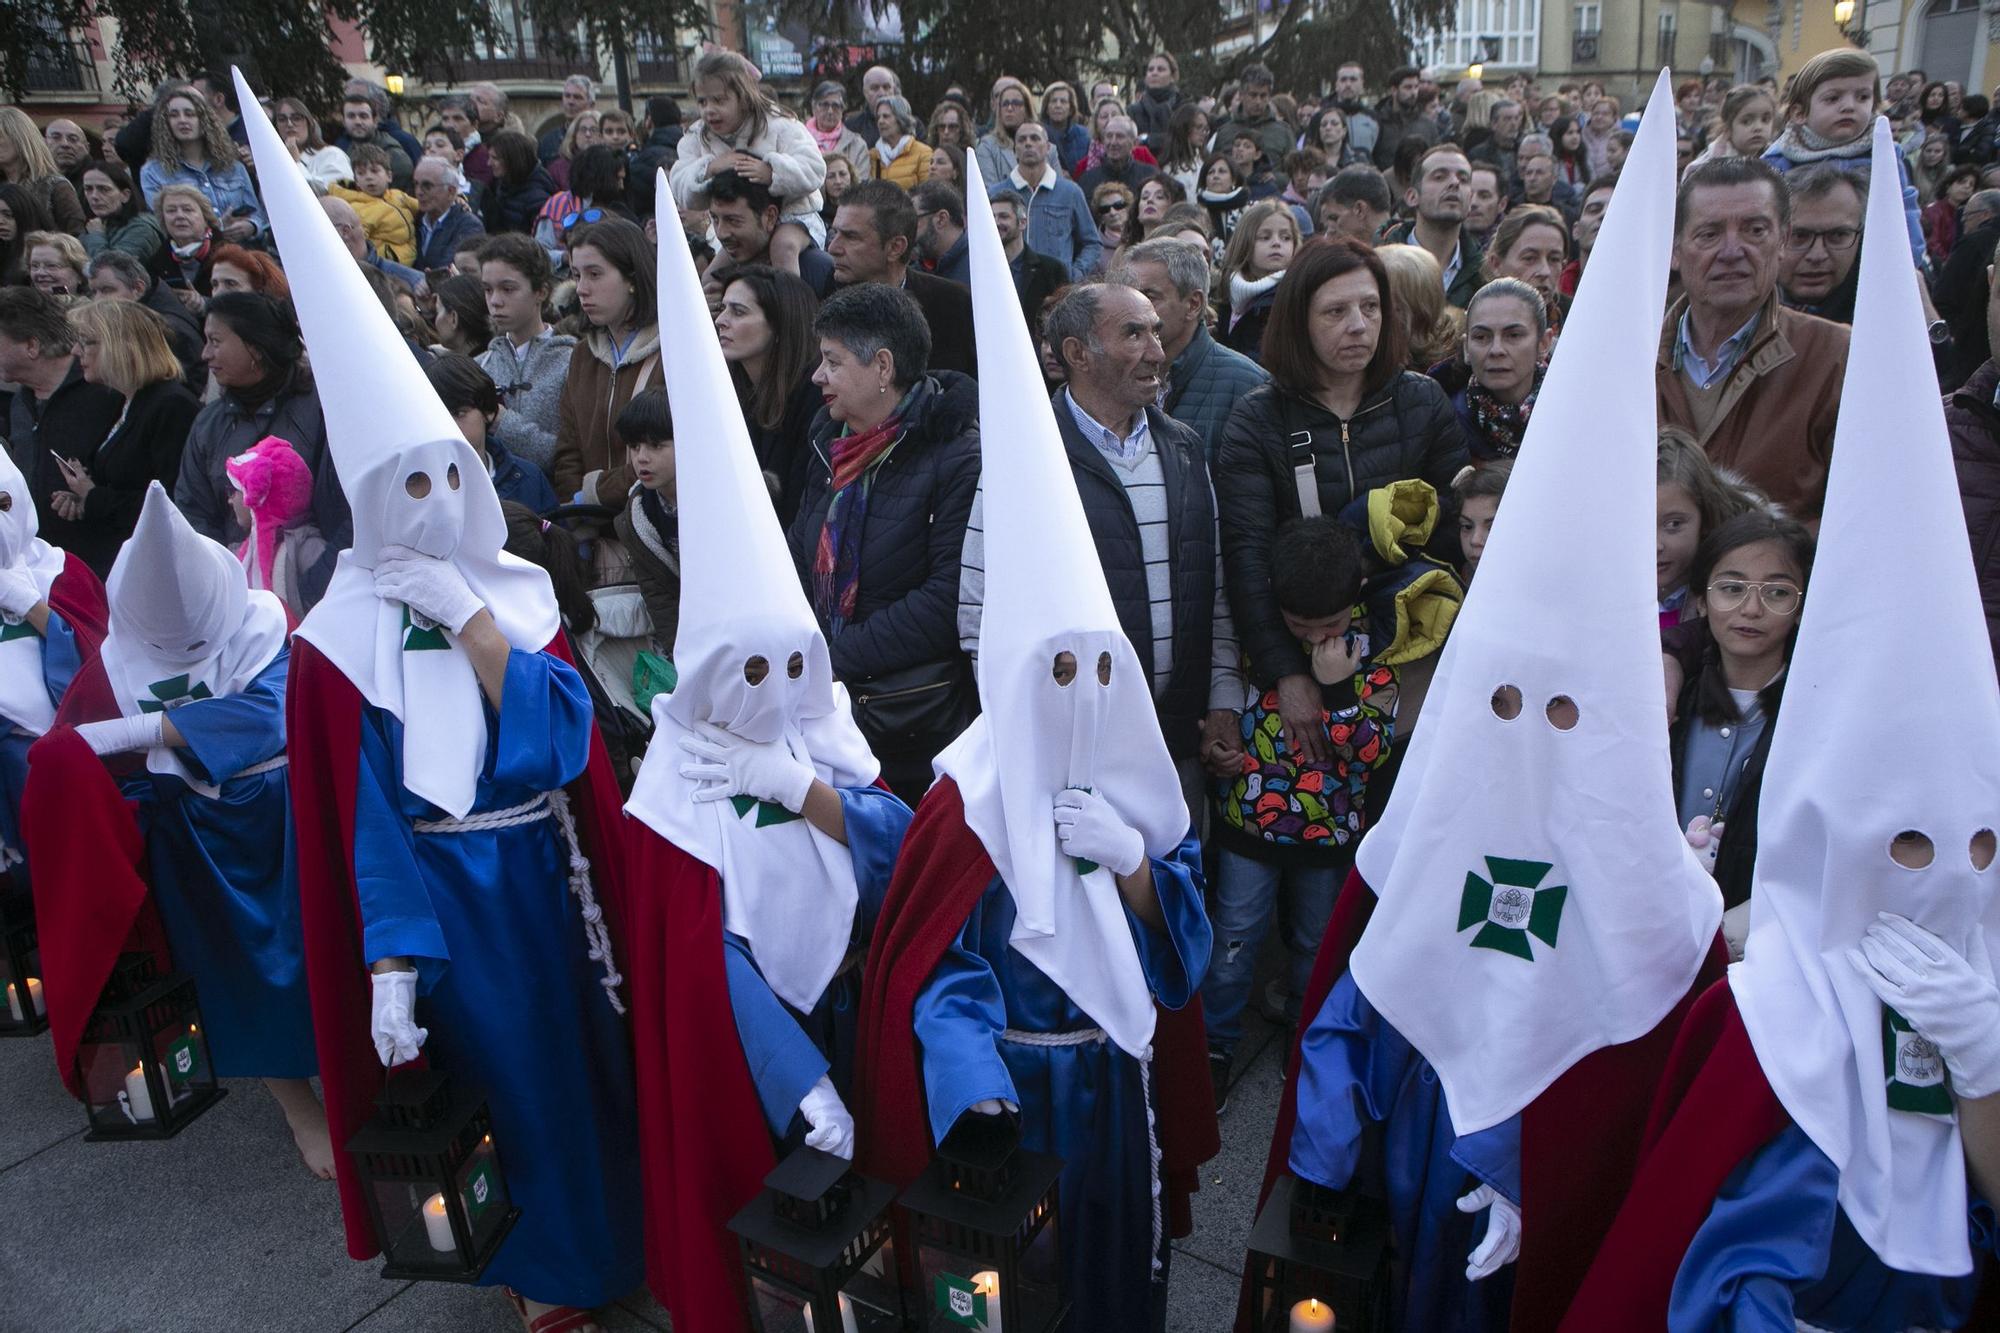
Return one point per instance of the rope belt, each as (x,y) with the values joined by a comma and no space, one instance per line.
(551,805)
(271,765)
(1093,1037)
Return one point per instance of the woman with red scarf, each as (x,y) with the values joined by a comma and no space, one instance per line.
(880,528)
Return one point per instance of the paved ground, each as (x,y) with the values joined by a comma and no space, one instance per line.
(221,1229)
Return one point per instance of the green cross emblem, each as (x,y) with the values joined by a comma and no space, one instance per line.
(479,1191)
(1511,906)
(1916,1073)
(959,1302)
(14,627)
(183,1060)
(421,635)
(768,813)
(172,693)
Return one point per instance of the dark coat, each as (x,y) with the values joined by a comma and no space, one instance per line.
(662,149)
(518,481)
(1204,383)
(145,448)
(1974,424)
(784,450)
(513,207)
(1960,295)
(1036,279)
(184,333)
(1114,530)
(1245,335)
(656,564)
(72,422)
(906,613)
(1405,429)
(1153,114)
(436,250)
(947,309)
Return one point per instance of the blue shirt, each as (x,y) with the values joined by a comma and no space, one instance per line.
(227,186)
(1118,448)
(1059,221)
(1706,374)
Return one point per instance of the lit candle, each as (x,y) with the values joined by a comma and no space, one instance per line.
(846,1317)
(1312,1316)
(987,1284)
(34,999)
(438,1226)
(137,1098)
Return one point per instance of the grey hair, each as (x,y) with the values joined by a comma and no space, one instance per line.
(1517,290)
(457,102)
(1186,265)
(868,317)
(126,265)
(1534,143)
(583,81)
(1986,201)
(1075,316)
(899,107)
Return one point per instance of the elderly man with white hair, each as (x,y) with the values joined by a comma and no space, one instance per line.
(1121,138)
(354,236)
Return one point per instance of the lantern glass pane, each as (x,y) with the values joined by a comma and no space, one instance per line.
(483,1189)
(958,1290)
(779,1308)
(1037,1293)
(115,1088)
(180,1053)
(416,1230)
(872,1302)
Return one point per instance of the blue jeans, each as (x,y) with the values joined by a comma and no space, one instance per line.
(1246,898)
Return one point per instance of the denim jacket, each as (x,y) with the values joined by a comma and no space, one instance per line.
(228,189)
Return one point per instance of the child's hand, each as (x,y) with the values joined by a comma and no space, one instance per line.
(1336,659)
(750,167)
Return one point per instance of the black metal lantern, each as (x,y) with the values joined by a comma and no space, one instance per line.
(26,1013)
(143,1063)
(432,1179)
(1317,1254)
(817,1250)
(983,1220)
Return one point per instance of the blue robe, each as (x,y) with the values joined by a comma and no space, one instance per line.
(1356,1071)
(60,662)
(787,1051)
(221,872)
(1085,1104)
(510,997)
(1777,1247)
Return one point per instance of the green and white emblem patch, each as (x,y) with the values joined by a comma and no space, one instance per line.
(1511,906)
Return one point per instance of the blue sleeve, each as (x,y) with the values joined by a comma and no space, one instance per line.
(876,822)
(1494,1155)
(958,1019)
(1913,218)
(244,195)
(1090,245)
(1983,1227)
(784,1064)
(61,659)
(544,725)
(1176,959)
(227,735)
(1351,1066)
(151,178)
(1769,1232)
(397,920)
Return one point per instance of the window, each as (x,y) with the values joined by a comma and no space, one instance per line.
(1669,25)
(1494,32)
(1589,17)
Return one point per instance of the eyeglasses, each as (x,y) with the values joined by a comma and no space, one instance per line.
(289,118)
(1116,206)
(1838,240)
(1780,599)
(586,215)
(1013,102)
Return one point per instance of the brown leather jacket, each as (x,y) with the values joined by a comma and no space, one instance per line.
(1774,423)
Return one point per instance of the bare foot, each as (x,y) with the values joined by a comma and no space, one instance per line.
(307,1119)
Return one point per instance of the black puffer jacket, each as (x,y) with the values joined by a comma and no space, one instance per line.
(906,612)
(1406,429)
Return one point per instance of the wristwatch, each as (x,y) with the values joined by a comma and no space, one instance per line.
(1939,332)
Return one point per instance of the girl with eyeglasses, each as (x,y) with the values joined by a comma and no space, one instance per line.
(1750,574)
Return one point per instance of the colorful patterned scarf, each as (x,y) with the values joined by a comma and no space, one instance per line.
(1502,424)
(837,561)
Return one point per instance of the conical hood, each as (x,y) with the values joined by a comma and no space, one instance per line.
(787,888)
(1868,1092)
(385,430)
(184,625)
(1046,595)
(1538,900)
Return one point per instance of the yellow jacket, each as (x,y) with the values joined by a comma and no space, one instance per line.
(911,168)
(391,221)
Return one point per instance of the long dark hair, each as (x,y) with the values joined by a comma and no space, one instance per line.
(266,324)
(30,214)
(115,172)
(789,308)
(626,248)
(1558,129)
(1712,701)
(1288,349)
(551,546)
(463,295)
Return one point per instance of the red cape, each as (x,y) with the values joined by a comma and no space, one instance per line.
(942,871)
(78,597)
(1579,1140)
(323,730)
(703,1149)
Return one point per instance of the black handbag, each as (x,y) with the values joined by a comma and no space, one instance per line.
(917,710)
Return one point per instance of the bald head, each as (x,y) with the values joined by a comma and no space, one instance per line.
(67,143)
(348,223)
(1983,207)
(879,82)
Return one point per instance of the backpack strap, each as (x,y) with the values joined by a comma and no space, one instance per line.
(1299,449)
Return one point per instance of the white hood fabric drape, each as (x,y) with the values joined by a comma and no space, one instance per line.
(1871,1094)
(384,427)
(185,626)
(1537,898)
(24,694)
(1045,595)
(786,887)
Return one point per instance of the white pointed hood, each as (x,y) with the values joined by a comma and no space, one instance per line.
(786,887)
(24,692)
(384,424)
(184,625)
(1537,898)
(1045,594)
(1835,796)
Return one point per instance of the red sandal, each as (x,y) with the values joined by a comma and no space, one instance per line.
(562,1319)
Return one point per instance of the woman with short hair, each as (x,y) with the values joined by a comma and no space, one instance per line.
(899,155)
(56,261)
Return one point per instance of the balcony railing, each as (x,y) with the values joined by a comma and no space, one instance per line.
(62,65)
(532,69)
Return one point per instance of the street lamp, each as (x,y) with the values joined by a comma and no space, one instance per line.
(394,83)
(1317,1253)
(817,1250)
(1843,12)
(143,1063)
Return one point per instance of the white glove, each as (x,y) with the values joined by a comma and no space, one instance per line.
(1736,929)
(1090,830)
(1502,1243)
(1950,1000)
(732,766)
(393,1024)
(116,735)
(434,589)
(18,593)
(1705,836)
(992,1106)
(832,1128)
